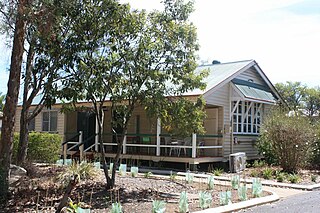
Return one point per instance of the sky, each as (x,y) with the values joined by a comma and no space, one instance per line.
(282,36)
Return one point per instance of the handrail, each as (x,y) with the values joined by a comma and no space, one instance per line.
(70,139)
(210,136)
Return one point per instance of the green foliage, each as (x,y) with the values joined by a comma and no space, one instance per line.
(218,171)
(210,182)
(189,177)
(183,203)
(235,181)
(288,139)
(148,174)
(292,92)
(173,176)
(254,173)
(2,101)
(82,170)
(134,171)
(76,207)
(205,200)
(225,198)
(314,178)
(256,187)
(294,178)
(158,206)
(43,147)
(116,208)
(267,173)
(280,176)
(242,193)
(258,163)
(123,170)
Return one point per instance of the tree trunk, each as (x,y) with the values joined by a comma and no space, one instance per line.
(24,121)
(72,184)
(10,106)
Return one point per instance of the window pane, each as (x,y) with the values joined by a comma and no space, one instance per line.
(53,121)
(45,116)
(32,125)
(45,126)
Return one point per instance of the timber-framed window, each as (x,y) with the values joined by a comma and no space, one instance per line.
(49,121)
(246,117)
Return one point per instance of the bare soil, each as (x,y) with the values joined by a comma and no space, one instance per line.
(42,192)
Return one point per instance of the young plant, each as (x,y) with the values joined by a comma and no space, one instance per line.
(225,198)
(205,200)
(280,176)
(314,178)
(76,207)
(134,171)
(258,163)
(217,172)
(254,173)
(256,187)
(82,170)
(116,208)
(183,203)
(235,181)
(267,173)
(173,176)
(242,193)
(123,170)
(210,182)
(189,177)
(158,206)
(294,178)
(148,174)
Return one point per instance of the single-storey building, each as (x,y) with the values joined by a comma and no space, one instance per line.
(238,96)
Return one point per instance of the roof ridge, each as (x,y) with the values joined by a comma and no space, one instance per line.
(232,62)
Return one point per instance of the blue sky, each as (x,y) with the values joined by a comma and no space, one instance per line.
(283,36)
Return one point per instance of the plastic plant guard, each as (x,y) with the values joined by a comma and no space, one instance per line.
(134,171)
(211,182)
(235,181)
(189,177)
(225,198)
(59,162)
(242,193)
(116,208)
(68,162)
(256,187)
(110,167)
(97,165)
(158,206)
(183,203)
(205,200)
(122,169)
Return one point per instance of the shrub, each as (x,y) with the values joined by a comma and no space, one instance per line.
(258,163)
(82,170)
(218,171)
(287,139)
(314,178)
(280,176)
(148,174)
(294,178)
(254,173)
(267,173)
(42,147)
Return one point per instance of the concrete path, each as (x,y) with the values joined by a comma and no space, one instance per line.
(292,201)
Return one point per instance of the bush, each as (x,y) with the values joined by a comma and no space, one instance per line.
(287,139)
(267,173)
(280,176)
(42,147)
(294,178)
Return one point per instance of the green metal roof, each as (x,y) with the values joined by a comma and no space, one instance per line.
(218,73)
(254,91)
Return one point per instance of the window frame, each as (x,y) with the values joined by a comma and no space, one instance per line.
(49,121)
(246,117)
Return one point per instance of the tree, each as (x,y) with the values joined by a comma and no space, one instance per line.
(133,59)
(311,102)
(10,106)
(293,93)
(2,101)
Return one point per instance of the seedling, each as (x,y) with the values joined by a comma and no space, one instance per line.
(183,203)
(116,208)
(225,198)
(205,200)
(242,193)
(210,182)
(134,171)
(158,206)
(235,181)
(256,187)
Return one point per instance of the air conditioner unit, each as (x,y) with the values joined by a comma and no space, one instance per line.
(237,162)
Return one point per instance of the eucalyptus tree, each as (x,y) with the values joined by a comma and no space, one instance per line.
(132,58)
(9,110)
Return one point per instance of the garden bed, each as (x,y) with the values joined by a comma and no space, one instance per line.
(43,192)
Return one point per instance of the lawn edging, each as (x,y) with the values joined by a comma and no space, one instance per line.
(275,184)
(243,204)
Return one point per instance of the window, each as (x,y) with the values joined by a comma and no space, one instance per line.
(49,121)
(32,125)
(246,117)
